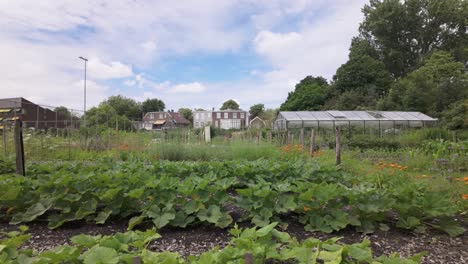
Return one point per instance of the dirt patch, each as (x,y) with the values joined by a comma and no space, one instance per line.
(197,239)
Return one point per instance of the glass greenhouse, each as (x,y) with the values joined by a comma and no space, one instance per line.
(378,120)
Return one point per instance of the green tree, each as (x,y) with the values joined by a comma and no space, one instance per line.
(186,113)
(405,32)
(256,110)
(440,82)
(456,116)
(362,80)
(63,113)
(152,105)
(104,117)
(124,106)
(309,94)
(230,104)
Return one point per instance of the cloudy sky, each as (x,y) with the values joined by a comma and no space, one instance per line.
(187,53)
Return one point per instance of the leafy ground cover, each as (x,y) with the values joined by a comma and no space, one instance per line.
(263,244)
(186,193)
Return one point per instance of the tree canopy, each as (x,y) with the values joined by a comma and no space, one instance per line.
(256,110)
(410,55)
(230,104)
(186,113)
(152,105)
(309,94)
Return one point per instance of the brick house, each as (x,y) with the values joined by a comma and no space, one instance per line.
(164,120)
(225,119)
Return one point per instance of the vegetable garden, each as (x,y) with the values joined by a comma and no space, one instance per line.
(256,198)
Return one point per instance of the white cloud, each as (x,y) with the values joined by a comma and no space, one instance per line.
(148,46)
(112,70)
(40,42)
(194,87)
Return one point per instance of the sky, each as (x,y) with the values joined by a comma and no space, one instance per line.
(194,54)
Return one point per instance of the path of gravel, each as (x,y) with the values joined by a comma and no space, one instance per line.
(440,248)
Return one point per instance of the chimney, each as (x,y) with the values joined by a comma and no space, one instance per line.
(212,109)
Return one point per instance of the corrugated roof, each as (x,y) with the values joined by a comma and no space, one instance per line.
(354,116)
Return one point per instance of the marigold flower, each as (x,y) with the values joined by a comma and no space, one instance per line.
(307,209)
(465,196)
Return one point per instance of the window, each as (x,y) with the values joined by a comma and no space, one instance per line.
(225,115)
(197,124)
(242,115)
(234,115)
(207,115)
(218,115)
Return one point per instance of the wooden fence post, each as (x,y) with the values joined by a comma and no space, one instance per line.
(19,147)
(270,137)
(312,142)
(338,145)
(5,138)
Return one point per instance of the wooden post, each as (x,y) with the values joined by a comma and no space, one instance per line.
(4,138)
(19,147)
(301,139)
(270,137)
(287,137)
(312,142)
(248,258)
(338,145)
(258,137)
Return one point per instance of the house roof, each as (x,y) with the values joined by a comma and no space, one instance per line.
(178,118)
(257,119)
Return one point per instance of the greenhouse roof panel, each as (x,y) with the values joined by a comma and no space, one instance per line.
(355,116)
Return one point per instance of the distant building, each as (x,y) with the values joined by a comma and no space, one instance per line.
(31,114)
(202,118)
(164,120)
(225,119)
(257,123)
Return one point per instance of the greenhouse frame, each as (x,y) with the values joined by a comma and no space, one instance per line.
(376,120)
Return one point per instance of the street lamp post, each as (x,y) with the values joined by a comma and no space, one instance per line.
(84,108)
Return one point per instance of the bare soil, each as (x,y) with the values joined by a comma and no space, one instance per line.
(197,239)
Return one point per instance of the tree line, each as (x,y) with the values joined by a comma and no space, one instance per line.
(409,56)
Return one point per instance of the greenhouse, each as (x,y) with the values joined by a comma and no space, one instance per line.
(363,120)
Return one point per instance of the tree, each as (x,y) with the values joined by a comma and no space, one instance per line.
(124,106)
(104,117)
(152,105)
(405,32)
(63,113)
(186,113)
(456,116)
(230,104)
(256,110)
(440,82)
(309,94)
(362,80)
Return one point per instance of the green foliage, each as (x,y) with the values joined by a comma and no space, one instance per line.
(456,116)
(362,80)
(185,193)
(405,32)
(264,244)
(309,94)
(230,104)
(186,113)
(152,105)
(123,106)
(440,82)
(256,110)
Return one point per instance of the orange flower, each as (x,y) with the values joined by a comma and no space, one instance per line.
(306,209)
(465,196)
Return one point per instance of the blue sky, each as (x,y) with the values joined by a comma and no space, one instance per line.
(187,53)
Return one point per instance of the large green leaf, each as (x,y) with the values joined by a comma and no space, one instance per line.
(100,255)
